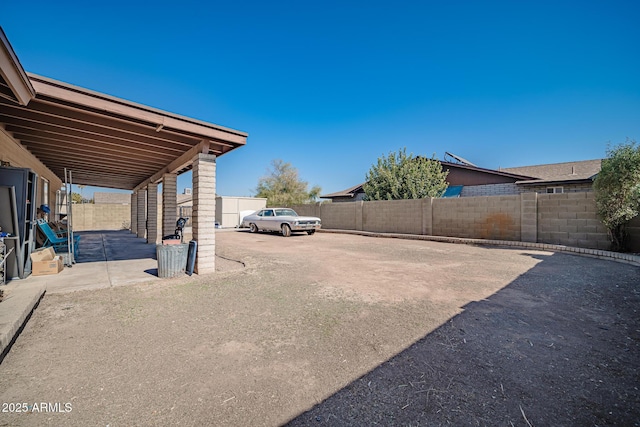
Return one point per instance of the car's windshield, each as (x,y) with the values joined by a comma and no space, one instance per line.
(286,212)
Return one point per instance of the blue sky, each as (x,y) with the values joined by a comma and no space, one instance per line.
(331,86)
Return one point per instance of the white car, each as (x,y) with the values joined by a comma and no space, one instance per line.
(282,220)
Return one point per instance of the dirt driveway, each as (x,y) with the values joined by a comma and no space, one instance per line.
(356,330)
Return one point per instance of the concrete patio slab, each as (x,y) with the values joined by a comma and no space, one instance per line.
(17,306)
(106,259)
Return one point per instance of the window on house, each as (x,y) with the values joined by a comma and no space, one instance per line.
(555,190)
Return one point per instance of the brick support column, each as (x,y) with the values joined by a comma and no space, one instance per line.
(204,212)
(529,217)
(152,213)
(134,212)
(169,203)
(142,213)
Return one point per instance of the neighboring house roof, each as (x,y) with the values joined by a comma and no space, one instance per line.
(100,198)
(459,175)
(567,172)
(503,172)
(349,192)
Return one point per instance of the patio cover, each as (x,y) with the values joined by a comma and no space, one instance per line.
(105,141)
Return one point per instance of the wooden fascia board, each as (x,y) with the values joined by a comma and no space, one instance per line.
(176,165)
(13,73)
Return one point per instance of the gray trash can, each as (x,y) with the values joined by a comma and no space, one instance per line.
(172,259)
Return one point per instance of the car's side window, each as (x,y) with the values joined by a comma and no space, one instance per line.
(268,213)
(261,213)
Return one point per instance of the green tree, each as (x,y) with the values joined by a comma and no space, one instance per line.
(402,176)
(76,197)
(282,186)
(617,188)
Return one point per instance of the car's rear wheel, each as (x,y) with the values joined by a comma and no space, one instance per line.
(286,230)
(253,228)
(310,232)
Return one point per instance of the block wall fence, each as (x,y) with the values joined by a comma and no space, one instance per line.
(564,219)
(90,216)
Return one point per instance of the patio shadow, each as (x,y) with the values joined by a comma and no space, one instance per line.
(113,245)
(560,345)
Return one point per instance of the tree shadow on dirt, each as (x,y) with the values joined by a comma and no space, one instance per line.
(560,345)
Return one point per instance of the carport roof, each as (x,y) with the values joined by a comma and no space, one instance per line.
(105,141)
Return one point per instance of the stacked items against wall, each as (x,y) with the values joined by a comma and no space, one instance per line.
(18,218)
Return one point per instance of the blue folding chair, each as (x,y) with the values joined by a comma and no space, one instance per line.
(57,240)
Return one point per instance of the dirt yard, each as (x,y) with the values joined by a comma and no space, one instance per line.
(338,329)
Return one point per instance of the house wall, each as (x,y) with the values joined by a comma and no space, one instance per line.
(566,188)
(462,176)
(12,152)
(566,219)
(490,190)
(499,189)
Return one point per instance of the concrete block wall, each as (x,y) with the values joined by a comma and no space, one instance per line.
(101,217)
(566,219)
(495,217)
(341,216)
(392,216)
(312,209)
(570,219)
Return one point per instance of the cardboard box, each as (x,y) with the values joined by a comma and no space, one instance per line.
(45,261)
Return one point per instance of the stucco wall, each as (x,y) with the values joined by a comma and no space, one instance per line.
(17,156)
